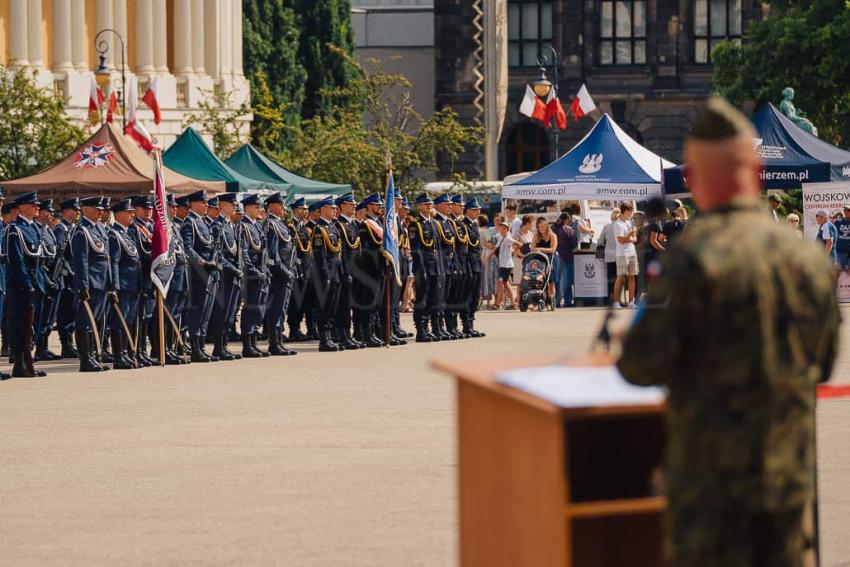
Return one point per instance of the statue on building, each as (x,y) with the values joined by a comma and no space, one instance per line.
(796,116)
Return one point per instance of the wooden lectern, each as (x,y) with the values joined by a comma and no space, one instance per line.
(545,486)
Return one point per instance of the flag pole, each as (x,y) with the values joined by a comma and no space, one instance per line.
(389,307)
(160,306)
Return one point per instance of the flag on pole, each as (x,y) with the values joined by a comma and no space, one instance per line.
(390,248)
(555,110)
(162,250)
(112,106)
(532,106)
(134,128)
(96,97)
(582,103)
(151,100)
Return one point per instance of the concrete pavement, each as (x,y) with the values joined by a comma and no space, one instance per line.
(318,459)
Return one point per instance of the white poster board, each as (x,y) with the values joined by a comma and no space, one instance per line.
(591,277)
(829,196)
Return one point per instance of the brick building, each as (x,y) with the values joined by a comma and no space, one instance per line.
(645,62)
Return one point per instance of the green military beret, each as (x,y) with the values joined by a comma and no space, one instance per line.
(718,120)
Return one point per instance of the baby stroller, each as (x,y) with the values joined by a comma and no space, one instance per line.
(534,285)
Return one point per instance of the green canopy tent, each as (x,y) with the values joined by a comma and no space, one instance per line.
(190,153)
(251,163)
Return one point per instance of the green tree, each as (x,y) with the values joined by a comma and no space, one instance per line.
(804,45)
(350,143)
(271,43)
(325,25)
(219,118)
(34,130)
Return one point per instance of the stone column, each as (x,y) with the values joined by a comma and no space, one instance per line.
(212,53)
(160,45)
(18,37)
(183,37)
(119,23)
(198,17)
(103,20)
(236,37)
(62,36)
(225,37)
(144,38)
(36,57)
(78,35)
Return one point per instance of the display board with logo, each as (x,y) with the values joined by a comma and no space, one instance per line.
(832,197)
(590,279)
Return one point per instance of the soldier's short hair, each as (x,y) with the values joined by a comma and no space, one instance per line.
(718,120)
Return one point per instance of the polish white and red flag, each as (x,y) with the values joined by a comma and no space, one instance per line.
(532,106)
(555,110)
(96,97)
(151,100)
(162,252)
(582,104)
(134,128)
(112,107)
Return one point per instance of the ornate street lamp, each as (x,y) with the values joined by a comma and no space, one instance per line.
(103,75)
(542,86)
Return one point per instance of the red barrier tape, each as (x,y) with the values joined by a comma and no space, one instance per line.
(825,391)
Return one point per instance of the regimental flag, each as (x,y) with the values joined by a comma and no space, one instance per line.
(582,103)
(555,110)
(134,128)
(532,106)
(163,260)
(151,100)
(391,228)
(96,97)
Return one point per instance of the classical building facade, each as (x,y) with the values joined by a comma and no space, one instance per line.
(193,47)
(645,62)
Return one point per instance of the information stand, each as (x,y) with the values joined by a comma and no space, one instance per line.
(545,485)
(590,277)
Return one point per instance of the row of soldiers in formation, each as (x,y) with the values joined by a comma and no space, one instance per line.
(84,269)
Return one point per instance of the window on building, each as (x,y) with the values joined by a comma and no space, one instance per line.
(527,149)
(622,32)
(714,21)
(529,30)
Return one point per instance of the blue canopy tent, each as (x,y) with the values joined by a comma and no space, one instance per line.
(605,165)
(791,155)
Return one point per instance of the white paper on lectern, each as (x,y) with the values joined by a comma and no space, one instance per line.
(580,387)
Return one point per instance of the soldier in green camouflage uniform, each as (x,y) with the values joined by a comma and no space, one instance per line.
(740,327)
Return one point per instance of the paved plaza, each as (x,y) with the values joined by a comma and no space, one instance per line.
(321,459)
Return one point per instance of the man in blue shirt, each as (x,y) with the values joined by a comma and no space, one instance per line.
(842,244)
(827,234)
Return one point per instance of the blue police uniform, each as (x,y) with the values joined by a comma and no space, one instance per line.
(67,312)
(202,251)
(4,262)
(92,281)
(370,277)
(281,257)
(47,304)
(125,262)
(175,300)
(24,249)
(329,272)
(349,233)
(230,287)
(474,272)
(256,281)
(142,232)
(300,301)
(427,272)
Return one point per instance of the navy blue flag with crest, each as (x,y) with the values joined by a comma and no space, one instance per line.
(391,228)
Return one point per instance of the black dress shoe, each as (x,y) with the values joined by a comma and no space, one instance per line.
(424,338)
(5,375)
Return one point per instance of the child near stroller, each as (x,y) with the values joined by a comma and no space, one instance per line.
(534,285)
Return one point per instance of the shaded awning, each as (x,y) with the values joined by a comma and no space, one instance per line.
(107,164)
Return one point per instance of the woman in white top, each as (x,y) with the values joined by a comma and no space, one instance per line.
(524,236)
(607,240)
